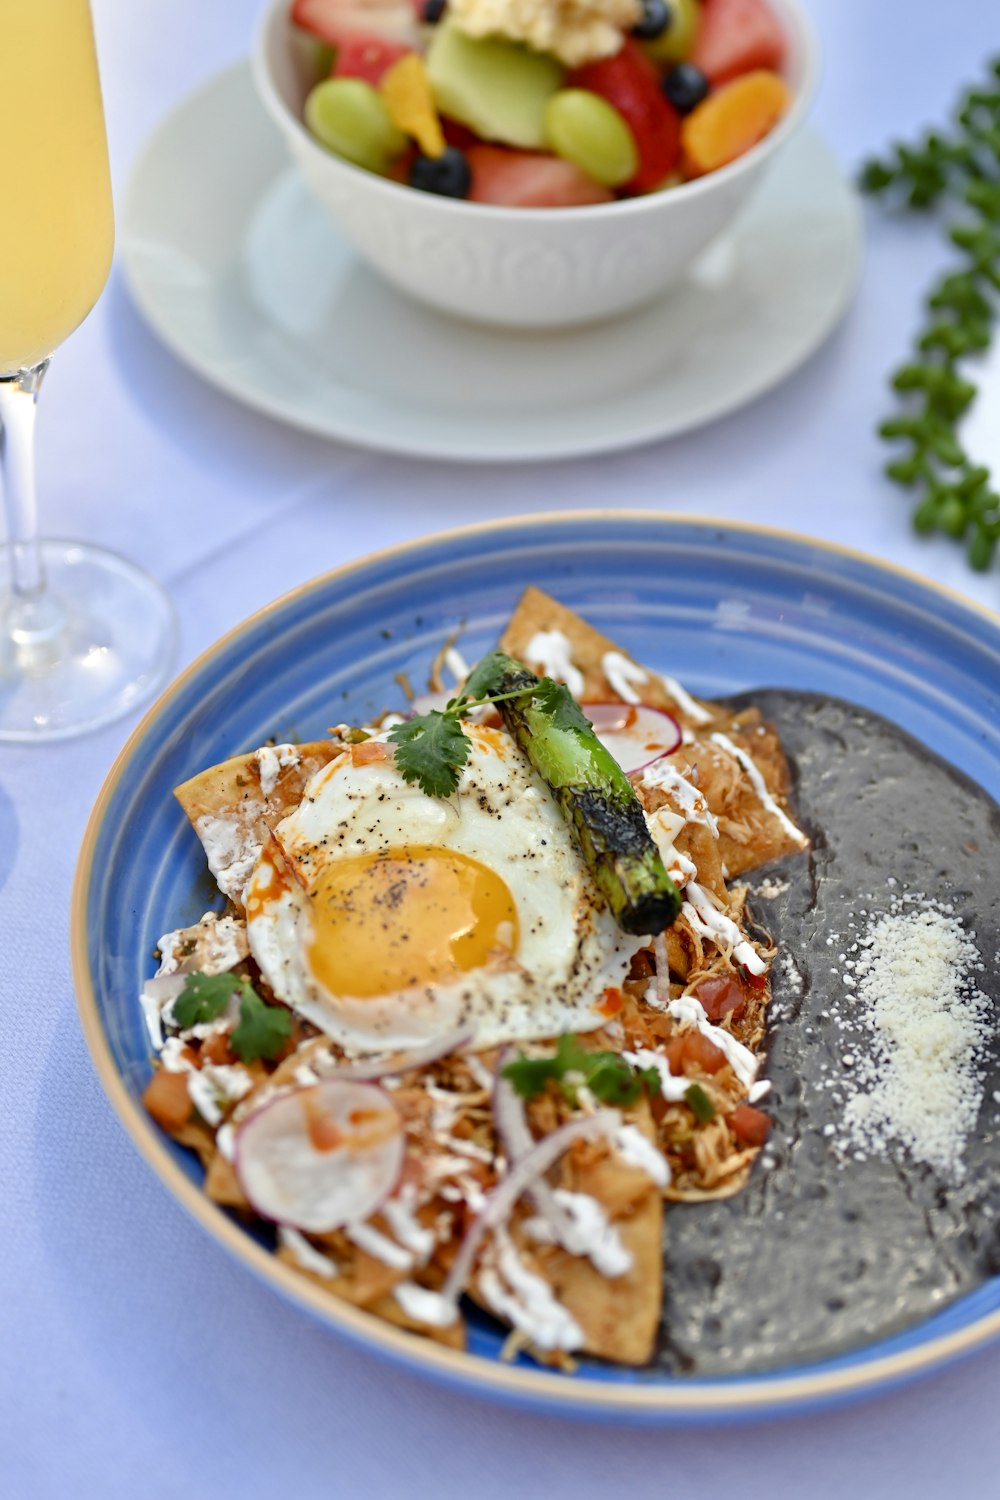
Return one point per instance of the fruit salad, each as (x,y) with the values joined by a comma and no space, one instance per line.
(541,103)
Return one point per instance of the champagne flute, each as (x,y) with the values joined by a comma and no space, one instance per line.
(84,634)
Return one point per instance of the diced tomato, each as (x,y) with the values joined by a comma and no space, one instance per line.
(675,1054)
(630,82)
(529,179)
(367,57)
(736,36)
(702,1053)
(694,1048)
(749,1125)
(334,21)
(755,983)
(721,996)
(167,1099)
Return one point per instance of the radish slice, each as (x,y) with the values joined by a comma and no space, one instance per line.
(322,1156)
(423,703)
(633,733)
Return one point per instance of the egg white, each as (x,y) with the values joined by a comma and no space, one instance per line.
(503,815)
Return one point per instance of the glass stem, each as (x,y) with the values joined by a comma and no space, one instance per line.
(18,398)
(32,621)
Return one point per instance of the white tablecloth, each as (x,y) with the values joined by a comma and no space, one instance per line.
(135,1360)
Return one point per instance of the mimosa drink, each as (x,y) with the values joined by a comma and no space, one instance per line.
(56,222)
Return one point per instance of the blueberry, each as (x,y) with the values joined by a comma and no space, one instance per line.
(657,17)
(447,174)
(433,11)
(685,86)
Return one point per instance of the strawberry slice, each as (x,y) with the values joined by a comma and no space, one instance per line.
(736,36)
(529,179)
(630,82)
(334,21)
(367,56)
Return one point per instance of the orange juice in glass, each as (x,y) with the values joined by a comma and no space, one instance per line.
(83,633)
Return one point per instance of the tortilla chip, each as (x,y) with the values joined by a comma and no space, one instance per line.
(230,811)
(588,647)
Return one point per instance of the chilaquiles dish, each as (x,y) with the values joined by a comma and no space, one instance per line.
(484,992)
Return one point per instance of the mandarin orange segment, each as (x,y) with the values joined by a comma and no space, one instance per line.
(407,97)
(731,120)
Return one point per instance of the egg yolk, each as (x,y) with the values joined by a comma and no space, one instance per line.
(406,917)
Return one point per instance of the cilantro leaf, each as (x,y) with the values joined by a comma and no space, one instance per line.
(700,1104)
(486,676)
(205,996)
(263,1029)
(556,700)
(431,749)
(608,1076)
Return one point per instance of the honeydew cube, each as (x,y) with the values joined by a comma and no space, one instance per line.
(497,88)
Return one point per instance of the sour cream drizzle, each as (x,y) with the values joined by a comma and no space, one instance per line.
(742,1061)
(705,918)
(759,786)
(684,701)
(308,1257)
(623,676)
(549,651)
(526,1299)
(662,776)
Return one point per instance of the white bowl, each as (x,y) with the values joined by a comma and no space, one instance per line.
(523,267)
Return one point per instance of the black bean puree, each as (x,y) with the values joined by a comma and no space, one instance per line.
(822,1253)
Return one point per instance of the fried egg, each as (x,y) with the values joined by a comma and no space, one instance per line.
(388,918)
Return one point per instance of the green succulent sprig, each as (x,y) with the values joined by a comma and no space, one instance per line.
(960,169)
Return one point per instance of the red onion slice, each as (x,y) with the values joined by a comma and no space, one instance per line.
(370,1068)
(165,987)
(321,1156)
(512,1127)
(634,733)
(521,1173)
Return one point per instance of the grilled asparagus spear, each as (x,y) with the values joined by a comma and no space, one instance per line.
(595,796)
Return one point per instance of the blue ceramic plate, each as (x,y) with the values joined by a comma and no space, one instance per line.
(722,607)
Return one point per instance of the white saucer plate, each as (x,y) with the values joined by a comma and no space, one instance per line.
(244,277)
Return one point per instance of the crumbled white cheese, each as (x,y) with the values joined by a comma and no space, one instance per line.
(575,31)
(927,1025)
(271,761)
(214,945)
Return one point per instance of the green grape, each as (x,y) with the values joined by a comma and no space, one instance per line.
(674,44)
(585,129)
(347,116)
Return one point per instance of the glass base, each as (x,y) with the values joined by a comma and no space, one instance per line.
(94,646)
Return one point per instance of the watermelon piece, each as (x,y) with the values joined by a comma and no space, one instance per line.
(367,56)
(737,36)
(630,82)
(529,179)
(335,21)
